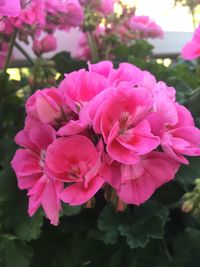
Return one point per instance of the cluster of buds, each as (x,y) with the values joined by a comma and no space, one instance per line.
(192,200)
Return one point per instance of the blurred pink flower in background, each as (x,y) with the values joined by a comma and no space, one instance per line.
(146,27)
(107,6)
(10,8)
(192,49)
(47,44)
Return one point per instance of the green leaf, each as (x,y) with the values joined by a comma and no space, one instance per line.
(184,72)
(193,102)
(28,228)
(64,63)
(121,51)
(147,222)
(7,148)
(140,49)
(13,206)
(188,173)
(186,249)
(15,254)
(5,238)
(109,222)
(183,90)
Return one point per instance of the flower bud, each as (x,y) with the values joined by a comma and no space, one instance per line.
(47,44)
(187,206)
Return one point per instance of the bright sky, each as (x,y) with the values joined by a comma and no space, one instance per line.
(164,13)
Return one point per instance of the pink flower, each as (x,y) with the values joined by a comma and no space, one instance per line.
(136,183)
(83,51)
(45,105)
(64,14)
(192,49)
(32,14)
(77,89)
(104,68)
(121,121)
(74,13)
(164,103)
(76,161)
(146,27)
(10,8)
(29,165)
(106,6)
(126,72)
(47,44)
(183,138)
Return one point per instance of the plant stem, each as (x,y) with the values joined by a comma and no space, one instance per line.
(175,205)
(193,17)
(10,50)
(21,49)
(93,47)
(108,50)
(166,250)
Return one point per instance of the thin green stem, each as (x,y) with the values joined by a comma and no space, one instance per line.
(10,50)
(193,17)
(165,247)
(21,49)
(108,50)
(93,47)
(175,205)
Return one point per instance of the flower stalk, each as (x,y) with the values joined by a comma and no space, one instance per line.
(93,47)
(10,50)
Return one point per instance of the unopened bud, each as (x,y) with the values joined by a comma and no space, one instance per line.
(187,206)
(188,195)
(120,205)
(197,181)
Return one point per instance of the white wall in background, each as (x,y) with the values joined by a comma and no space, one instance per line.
(67,41)
(170,18)
(171,43)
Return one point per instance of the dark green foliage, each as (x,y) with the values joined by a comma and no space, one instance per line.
(65,64)
(140,49)
(137,225)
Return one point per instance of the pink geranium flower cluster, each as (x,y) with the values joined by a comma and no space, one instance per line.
(191,50)
(115,127)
